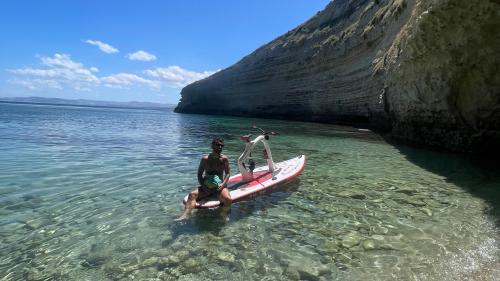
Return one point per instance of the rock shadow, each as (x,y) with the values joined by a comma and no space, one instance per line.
(476,175)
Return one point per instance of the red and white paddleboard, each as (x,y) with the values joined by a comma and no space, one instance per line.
(262,180)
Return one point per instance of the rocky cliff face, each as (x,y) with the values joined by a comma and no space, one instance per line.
(426,71)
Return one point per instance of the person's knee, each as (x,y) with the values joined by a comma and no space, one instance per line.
(193,195)
(225,198)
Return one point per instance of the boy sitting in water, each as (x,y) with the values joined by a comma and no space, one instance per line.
(213,175)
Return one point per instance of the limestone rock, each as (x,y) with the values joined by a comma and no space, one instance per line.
(424,70)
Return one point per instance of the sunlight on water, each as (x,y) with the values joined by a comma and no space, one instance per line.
(91,194)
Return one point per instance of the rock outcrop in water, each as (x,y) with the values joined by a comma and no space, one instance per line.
(426,71)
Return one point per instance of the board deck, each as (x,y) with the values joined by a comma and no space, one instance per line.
(263,179)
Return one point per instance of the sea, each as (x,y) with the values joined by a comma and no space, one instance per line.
(91,193)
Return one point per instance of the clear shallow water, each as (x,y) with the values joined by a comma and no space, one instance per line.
(91,194)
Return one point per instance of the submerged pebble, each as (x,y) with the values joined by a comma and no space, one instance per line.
(129,268)
(331,247)
(226,257)
(192,266)
(405,199)
(36,223)
(378,237)
(153,261)
(426,211)
(352,194)
(292,273)
(368,244)
(406,191)
(380,230)
(350,240)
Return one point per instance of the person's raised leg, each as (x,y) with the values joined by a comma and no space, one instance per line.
(190,204)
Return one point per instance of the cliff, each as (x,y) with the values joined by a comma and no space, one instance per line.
(424,71)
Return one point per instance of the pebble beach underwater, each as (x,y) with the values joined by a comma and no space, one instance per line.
(92,193)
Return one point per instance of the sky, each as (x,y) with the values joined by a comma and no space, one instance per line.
(132,50)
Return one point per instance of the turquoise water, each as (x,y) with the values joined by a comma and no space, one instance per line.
(92,194)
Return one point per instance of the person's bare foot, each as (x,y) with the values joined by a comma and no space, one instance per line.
(224,212)
(183,217)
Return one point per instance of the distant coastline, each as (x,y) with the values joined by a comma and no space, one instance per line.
(85,103)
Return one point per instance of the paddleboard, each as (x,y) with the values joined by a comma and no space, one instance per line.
(262,180)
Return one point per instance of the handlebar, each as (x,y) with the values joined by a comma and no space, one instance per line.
(265,133)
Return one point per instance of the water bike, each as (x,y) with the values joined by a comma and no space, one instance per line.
(252,180)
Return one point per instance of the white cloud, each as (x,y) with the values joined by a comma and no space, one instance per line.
(141,56)
(35,84)
(59,70)
(108,49)
(127,79)
(61,60)
(177,77)
(112,86)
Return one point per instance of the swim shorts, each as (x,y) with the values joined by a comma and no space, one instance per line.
(211,184)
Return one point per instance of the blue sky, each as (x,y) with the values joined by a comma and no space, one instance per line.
(132,50)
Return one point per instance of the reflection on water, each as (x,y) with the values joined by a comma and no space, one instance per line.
(91,194)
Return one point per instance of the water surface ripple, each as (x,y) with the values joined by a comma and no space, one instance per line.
(91,194)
